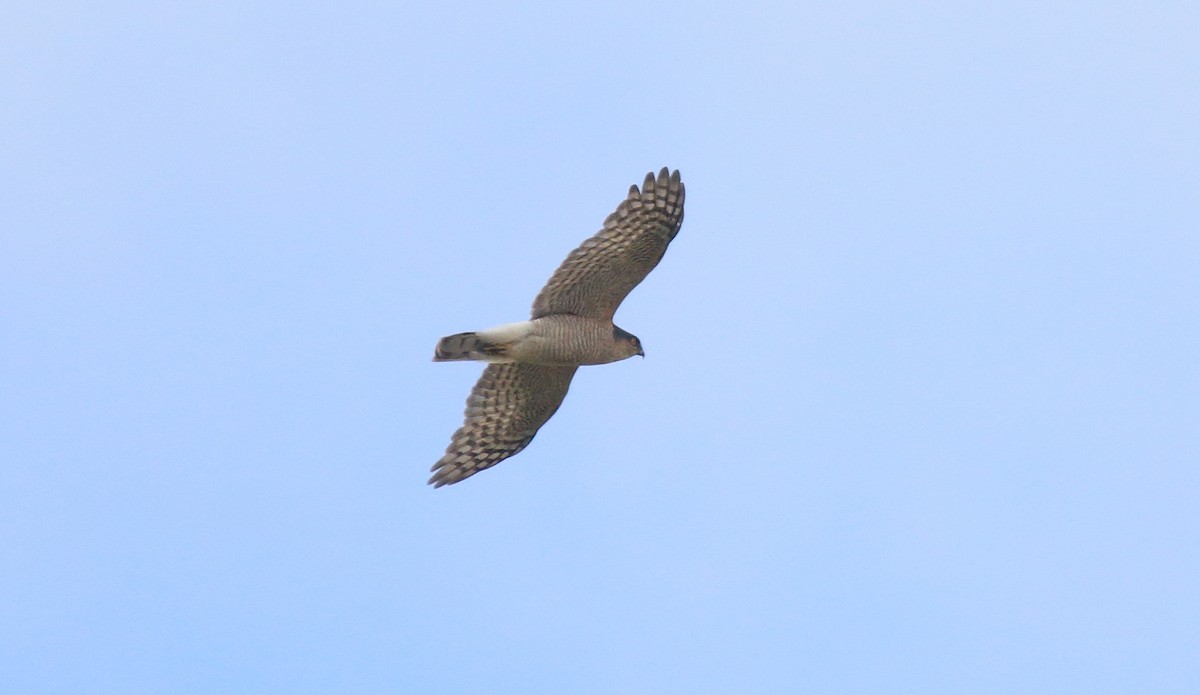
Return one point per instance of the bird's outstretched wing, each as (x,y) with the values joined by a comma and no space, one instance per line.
(508,405)
(597,276)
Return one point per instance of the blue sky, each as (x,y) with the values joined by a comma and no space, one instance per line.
(920,410)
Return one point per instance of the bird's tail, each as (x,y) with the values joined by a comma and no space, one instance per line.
(469,346)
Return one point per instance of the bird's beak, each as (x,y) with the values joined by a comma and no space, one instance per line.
(641,354)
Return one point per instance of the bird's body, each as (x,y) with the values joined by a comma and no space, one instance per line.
(532,362)
(557,340)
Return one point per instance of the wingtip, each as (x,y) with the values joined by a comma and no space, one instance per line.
(438,479)
(446,473)
(666,178)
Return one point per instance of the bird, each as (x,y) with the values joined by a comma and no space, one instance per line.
(531,363)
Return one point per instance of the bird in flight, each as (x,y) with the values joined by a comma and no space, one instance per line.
(531,363)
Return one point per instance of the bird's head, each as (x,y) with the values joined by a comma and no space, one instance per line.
(627,343)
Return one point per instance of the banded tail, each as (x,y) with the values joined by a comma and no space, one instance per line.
(490,345)
(468,346)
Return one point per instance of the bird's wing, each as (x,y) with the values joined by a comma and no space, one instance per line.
(504,411)
(598,275)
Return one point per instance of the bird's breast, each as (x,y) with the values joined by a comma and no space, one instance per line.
(565,340)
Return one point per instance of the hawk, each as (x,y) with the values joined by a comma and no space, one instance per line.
(531,363)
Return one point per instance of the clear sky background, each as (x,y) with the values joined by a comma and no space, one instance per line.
(920,410)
